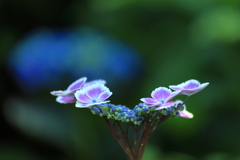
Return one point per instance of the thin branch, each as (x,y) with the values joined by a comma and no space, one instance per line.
(183,102)
(157,125)
(126,137)
(144,140)
(118,138)
(135,142)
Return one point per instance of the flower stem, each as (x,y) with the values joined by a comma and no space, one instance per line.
(144,139)
(183,102)
(135,151)
(118,138)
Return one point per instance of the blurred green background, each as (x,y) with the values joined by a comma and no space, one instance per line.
(172,41)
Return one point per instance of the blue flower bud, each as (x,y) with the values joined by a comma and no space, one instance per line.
(96,110)
(113,109)
(145,109)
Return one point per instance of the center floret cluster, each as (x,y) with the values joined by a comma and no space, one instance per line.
(92,95)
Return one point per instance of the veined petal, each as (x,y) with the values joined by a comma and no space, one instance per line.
(77,84)
(191,84)
(176,87)
(194,90)
(185,114)
(100,81)
(104,95)
(65,99)
(86,105)
(83,105)
(189,87)
(97,103)
(95,90)
(150,101)
(82,97)
(161,94)
(175,93)
(166,105)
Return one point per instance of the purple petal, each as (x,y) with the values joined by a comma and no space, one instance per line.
(86,105)
(82,97)
(175,87)
(83,105)
(97,103)
(175,93)
(77,84)
(103,96)
(57,93)
(191,84)
(93,82)
(185,114)
(161,94)
(166,105)
(150,101)
(65,99)
(95,90)
(195,90)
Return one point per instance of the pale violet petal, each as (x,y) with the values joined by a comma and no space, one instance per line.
(95,90)
(83,105)
(185,114)
(161,94)
(175,87)
(82,97)
(97,103)
(166,105)
(195,90)
(94,81)
(150,101)
(175,93)
(65,99)
(86,105)
(104,95)
(191,84)
(77,84)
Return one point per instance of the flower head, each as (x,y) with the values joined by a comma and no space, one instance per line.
(160,98)
(91,95)
(189,87)
(67,96)
(71,88)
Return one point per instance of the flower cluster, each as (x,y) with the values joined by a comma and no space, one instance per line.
(93,95)
(144,118)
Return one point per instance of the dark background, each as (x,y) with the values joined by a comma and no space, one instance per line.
(136,46)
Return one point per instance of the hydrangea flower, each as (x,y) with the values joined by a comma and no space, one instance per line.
(184,113)
(92,95)
(71,88)
(144,118)
(189,87)
(160,98)
(67,96)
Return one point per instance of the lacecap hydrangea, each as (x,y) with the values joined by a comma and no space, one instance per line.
(144,118)
(93,95)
